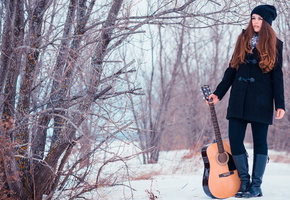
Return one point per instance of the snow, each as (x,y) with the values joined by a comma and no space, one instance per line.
(178,176)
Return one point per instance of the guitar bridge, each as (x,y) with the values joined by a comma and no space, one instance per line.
(226,174)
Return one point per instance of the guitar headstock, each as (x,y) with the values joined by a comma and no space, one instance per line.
(206,92)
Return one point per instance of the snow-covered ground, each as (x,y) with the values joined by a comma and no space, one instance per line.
(178,176)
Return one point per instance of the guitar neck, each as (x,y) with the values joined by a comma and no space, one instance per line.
(216,128)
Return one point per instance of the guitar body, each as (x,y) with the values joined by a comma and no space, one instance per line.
(220,178)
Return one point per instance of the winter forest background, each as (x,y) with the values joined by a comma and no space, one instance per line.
(77,76)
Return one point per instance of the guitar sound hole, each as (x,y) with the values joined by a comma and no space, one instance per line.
(222,158)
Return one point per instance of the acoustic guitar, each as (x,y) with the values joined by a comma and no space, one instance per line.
(220,177)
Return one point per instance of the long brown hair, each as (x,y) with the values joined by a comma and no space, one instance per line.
(266,47)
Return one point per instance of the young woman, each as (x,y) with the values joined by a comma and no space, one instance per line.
(256,80)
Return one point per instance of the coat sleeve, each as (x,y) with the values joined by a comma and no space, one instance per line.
(277,78)
(225,84)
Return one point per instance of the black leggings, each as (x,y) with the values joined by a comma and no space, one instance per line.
(237,131)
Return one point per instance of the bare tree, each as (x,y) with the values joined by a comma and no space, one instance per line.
(186,55)
(58,75)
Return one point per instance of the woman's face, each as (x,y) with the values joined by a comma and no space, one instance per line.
(257,21)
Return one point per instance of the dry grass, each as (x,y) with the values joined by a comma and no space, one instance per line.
(194,151)
(151,195)
(280,158)
(146,176)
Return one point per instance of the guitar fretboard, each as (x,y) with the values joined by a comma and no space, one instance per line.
(216,128)
(206,91)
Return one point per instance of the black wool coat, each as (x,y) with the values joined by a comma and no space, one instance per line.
(253,93)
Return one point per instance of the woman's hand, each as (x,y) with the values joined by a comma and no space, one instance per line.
(279,113)
(214,98)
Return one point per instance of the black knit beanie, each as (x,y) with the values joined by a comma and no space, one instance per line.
(268,12)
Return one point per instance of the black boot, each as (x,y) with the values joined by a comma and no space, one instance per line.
(259,166)
(241,162)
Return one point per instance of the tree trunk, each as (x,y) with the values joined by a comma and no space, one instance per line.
(10,65)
